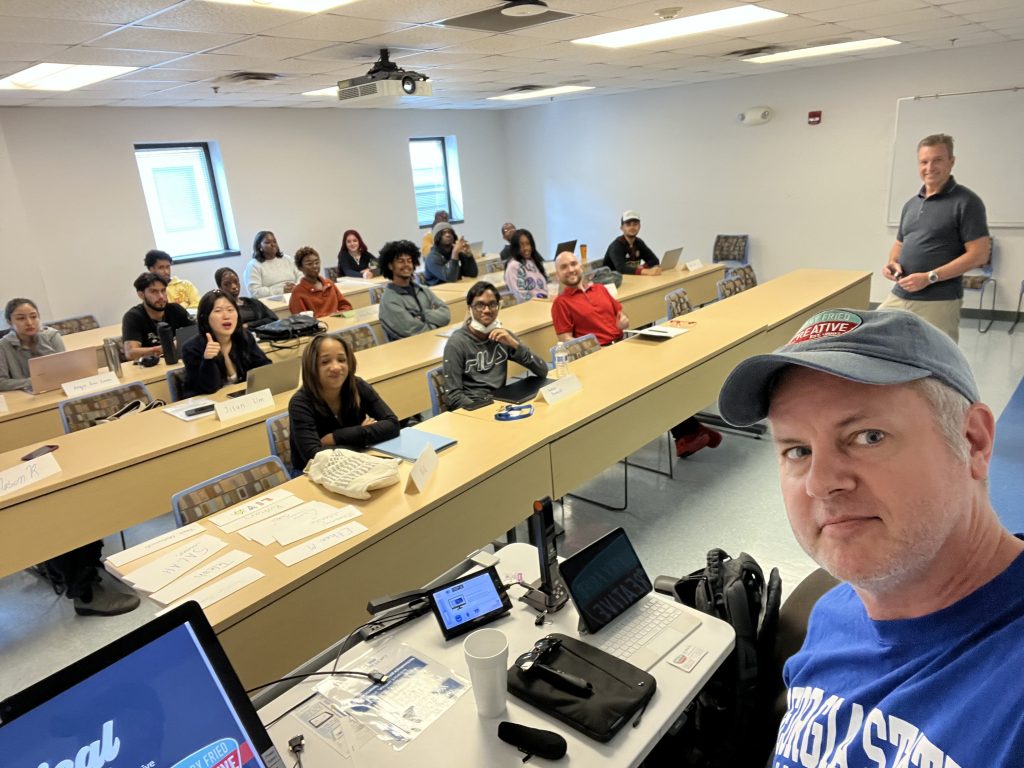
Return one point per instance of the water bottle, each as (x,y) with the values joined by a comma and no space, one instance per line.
(166,336)
(112,353)
(561,361)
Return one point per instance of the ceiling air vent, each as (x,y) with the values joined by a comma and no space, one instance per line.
(248,78)
(760,50)
(495,21)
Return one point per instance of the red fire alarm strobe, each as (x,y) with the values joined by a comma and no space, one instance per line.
(813,118)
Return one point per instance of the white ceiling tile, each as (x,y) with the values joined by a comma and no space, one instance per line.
(111,11)
(571,29)
(119,88)
(272,47)
(26,30)
(1002,14)
(195,16)
(979,6)
(801,6)
(585,6)
(443,58)
(426,37)
(149,39)
(171,74)
(850,11)
(65,102)
(31,51)
(336,29)
(218,63)
(493,44)
(116,57)
(414,11)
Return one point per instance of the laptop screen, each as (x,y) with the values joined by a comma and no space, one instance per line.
(163,703)
(605,578)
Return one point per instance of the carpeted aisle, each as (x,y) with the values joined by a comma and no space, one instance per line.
(1006,475)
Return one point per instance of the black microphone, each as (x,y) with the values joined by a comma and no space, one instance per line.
(533,741)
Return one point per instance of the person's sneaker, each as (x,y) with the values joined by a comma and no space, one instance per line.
(687,446)
(109,598)
(714,436)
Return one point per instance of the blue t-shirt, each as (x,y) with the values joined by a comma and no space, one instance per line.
(941,691)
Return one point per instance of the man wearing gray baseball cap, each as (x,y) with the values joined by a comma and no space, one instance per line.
(883,450)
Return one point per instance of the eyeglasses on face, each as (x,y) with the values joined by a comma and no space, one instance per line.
(480,306)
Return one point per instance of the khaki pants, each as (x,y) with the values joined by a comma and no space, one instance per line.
(944,315)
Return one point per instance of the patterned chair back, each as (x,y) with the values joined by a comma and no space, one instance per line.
(744,274)
(176,384)
(332,274)
(359,336)
(494,266)
(730,248)
(80,413)
(677,303)
(975,279)
(279,433)
(376,293)
(435,383)
(71,325)
(578,347)
(226,490)
(728,287)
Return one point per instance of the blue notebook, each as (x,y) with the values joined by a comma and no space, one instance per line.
(410,443)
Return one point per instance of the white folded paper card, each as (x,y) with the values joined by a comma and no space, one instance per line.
(132,554)
(422,470)
(195,579)
(244,405)
(331,539)
(560,389)
(162,571)
(90,384)
(27,472)
(694,264)
(252,510)
(221,588)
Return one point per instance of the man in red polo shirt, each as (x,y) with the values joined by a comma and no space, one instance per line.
(581,308)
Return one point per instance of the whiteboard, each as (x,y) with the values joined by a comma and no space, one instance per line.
(987,129)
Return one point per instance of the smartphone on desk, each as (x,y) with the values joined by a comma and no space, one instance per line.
(42,450)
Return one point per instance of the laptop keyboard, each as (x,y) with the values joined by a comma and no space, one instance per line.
(646,619)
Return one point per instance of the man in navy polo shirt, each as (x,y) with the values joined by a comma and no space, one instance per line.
(943,234)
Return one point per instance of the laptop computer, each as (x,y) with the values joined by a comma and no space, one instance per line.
(520,390)
(477,249)
(568,245)
(164,694)
(617,605)
(671,259)
(50,371)
(277,377)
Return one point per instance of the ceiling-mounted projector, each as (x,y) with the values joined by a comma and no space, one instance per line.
(384,85)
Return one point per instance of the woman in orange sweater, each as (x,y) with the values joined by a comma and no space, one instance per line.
(314,292)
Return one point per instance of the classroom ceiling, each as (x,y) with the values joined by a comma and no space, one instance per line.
(185,48)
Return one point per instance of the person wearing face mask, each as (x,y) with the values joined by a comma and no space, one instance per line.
(450,259)
(477,354)
(223,352)
(334,408)
(252,313)
(27,338)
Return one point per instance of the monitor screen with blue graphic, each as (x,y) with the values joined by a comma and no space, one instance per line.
(163,696)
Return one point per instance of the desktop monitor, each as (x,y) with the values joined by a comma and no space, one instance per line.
(162,695)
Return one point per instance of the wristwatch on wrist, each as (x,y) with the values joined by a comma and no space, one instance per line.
(933,276)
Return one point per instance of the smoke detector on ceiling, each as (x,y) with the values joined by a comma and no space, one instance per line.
(524,8)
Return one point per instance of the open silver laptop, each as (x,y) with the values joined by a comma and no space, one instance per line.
(477,248)
(617,605)
(50,371)
(277,377)
(671,259)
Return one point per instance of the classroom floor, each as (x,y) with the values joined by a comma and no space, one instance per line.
(727,497)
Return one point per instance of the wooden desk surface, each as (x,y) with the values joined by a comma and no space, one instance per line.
(148,457)
(482,488)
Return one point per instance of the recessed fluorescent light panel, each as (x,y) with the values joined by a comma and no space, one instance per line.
(688,25)
(306,6)
(331,91)
(824,50)
(60,77)
(541,93)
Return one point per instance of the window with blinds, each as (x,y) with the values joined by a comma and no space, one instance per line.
(179,183)
(435,178)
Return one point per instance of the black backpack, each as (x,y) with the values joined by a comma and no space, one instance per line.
(729,724)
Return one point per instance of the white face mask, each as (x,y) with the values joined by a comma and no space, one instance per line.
(479,327)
